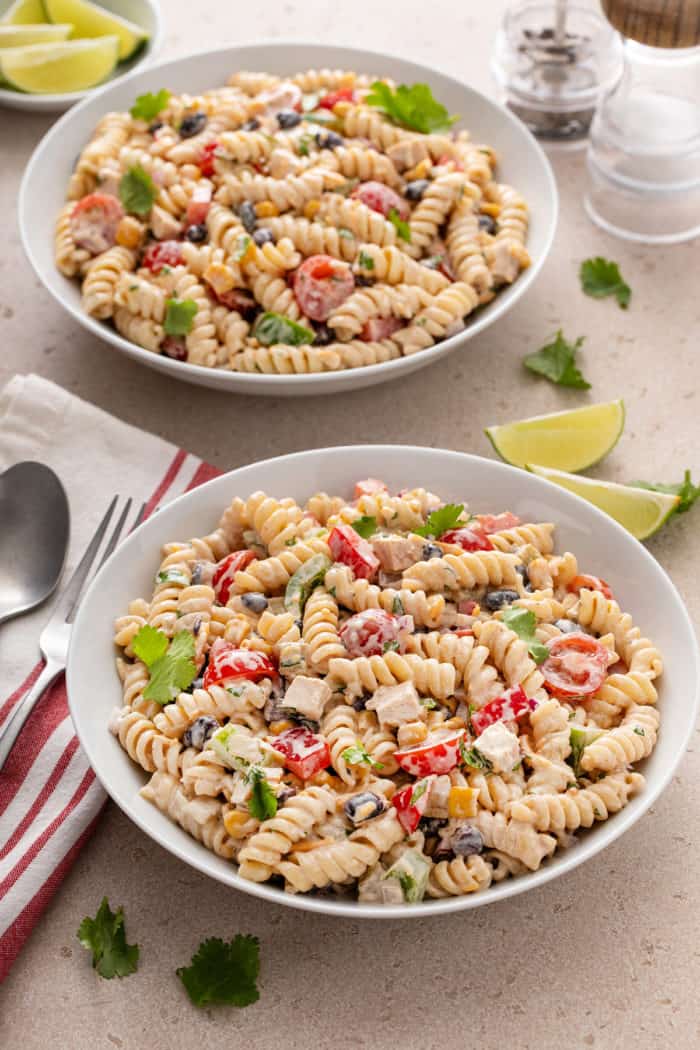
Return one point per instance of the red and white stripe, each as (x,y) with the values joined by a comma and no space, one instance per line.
(50,799)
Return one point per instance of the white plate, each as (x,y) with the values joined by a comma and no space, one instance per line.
(524,165)
(144,13)
(603,547)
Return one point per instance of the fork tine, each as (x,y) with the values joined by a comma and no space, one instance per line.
(139,518)
(114,538)
(68,599)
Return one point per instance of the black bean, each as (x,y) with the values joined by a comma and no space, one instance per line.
(199,732)
(263,236)
(497,599)
(192,124)
(288,118)
(273,711)
(364,806)
(359,703)
(567,626)
(152,128)
(196,573)
(307,723)
(255,601)
(466,840)
(196,233)
(414,190)
(197,625)
(431,550)
(432,825)
(285,794)
(174,347)
(247,215)
(251,125)
(362,281)
(328,140)
(324,335)
(486,223)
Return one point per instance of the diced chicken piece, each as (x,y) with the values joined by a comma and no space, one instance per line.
(375,888)
(407,152)
(163,225)
(308,697)
(397,553)
(506,259)
(437,797)
(396,704)
(500,747)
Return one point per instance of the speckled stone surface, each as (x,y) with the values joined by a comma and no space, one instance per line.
(606,957)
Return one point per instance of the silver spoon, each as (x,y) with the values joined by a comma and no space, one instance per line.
(34,528)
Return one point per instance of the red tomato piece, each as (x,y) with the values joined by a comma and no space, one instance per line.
(592,583)
(373,632)
(512,705)
(162,253)
(321,285)
(350,549)
(437,754)
(381,198)
(411,803)
(237,299)
(577,665)
(468,537)
(464,632)
(94,221)
(226,569)
(497,522)
(369,487)
(332,98)
(199,205)
(226,661)
(206,159)
(304,752)
(378,328)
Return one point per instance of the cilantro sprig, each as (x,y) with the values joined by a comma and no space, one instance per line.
(556,361)
(105,937)
(473,757)
(688,493)
(357,754)
(402,227)
(365,526)
(170,665)
(223,973)
(179,316)
(601,277)
(137,191)
(365,261)
(149,105)
(411,107)
(523,622)
(273,328)
(441,521)
(262,803)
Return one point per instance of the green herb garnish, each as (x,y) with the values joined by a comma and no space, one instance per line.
(171,666)
(428,702)
(474,758)
(524,622)
(557,362)
(223,973)
(418,791)
(273,328)
(402,228)
(397,606)
(262,803)
(687,492)
(137,191)
(148,106)
(600,278)
(411,107)
(365,261)
(357,754)
(365,526)
(105,937)
(440,521)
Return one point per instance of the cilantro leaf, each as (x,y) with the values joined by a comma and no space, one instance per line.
(474,758)
(365,526)
(242,247)
(275,328)
(137,191)
(600,277)
(105,937)
(402,228)
(262,803)
(148,106)
(365,261)
(173,670)
(418,791)
(687,492)
(223,973)
(441,521)
(523,622)
(411,107)
(179,316)
(150,644)
(397,606)
(557,362)
(357,754)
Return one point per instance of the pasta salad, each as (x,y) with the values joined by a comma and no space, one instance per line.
(313,223)
(384,696)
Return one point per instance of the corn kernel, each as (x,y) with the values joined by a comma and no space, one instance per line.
(454,723)
(219,277)
(421,170)
(326,779)
(311,208)
(411,733)
(461,802)
(494,210)
(266,210)
(280,727)
(237,823)
(129,232)
(341,108)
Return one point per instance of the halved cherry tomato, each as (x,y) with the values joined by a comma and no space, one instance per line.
(381,198)
(496,522)
(350,549)
(94,221)
(373,632)
(378,328)
(226,569)
(468,537)
(226,661)
(199,205)
(321,285)
(304,752)
(437,754)
(332,98)
(512,705)
(369,487)
(577,665)
(592,583)
(206,159)
(411,803)
(162,253)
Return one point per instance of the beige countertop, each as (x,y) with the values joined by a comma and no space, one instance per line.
(606,957)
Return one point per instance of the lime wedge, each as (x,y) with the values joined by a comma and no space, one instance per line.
(564,440)
(641,511)
(73,65)
(21,36)
(90,20)
(24,12)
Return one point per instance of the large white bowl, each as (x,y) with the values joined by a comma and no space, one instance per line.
(44,185)
(602,546)
(144,13)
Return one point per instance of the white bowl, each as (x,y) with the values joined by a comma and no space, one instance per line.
(144,13)
(44,185)
(603,547)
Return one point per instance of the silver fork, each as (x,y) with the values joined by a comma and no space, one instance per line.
(54,638)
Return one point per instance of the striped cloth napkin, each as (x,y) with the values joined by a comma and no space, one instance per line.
(50,799)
